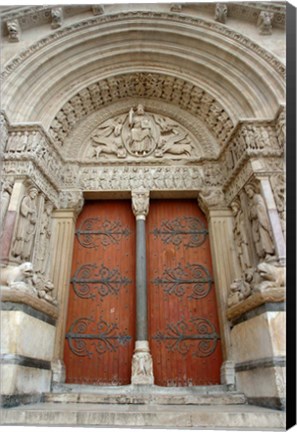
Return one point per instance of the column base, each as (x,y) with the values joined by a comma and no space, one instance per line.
(142,364)
(228,374)
(58,372)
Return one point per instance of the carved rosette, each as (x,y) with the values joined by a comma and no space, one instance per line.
(140,203)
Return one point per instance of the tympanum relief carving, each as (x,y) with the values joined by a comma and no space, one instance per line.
(139,134)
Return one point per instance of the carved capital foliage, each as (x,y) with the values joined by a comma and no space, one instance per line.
(140,202)
(72,200)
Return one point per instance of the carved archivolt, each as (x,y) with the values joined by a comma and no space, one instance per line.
(197,22)
(143,85)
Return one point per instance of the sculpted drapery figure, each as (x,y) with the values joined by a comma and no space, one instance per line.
(26,226)
(141,133)
(240,235)
(45,234)
(260,223)
(5,198)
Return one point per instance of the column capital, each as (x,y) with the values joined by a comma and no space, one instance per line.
(71,200)
(140,202)
(211,199)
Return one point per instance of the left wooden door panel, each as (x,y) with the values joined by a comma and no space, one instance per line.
(100,329)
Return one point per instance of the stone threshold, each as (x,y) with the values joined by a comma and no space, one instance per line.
(246,417)
(145,394)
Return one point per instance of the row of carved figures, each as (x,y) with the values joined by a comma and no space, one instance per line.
(252,233)
(29,220)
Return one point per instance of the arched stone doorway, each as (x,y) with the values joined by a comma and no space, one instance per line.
(213,124)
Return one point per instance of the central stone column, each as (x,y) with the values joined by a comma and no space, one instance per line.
(142,364)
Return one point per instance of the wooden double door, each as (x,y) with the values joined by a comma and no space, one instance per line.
(182,311)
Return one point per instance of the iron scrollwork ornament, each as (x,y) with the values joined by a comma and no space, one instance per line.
(94,231)
(176,281)
(88,279)
(103,337)
(182,337)
(190,231)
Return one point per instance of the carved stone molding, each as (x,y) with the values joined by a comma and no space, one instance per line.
(196,22)
(28,169)
(270,296)
(140,202)
(142,85)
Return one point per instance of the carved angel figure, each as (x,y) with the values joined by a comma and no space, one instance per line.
(260,223)
(26,226)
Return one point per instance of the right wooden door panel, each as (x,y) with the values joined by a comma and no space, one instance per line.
(183,321)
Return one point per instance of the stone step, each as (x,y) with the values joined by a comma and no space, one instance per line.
(231,417)
(141,398)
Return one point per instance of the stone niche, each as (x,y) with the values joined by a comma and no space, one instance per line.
(28,326)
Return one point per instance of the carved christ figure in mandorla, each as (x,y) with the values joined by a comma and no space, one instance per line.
(141,131)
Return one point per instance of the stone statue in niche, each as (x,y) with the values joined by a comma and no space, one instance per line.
(240,235)
(5,199)
(26,226)
(139,134)
(261,230)
(44,239)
